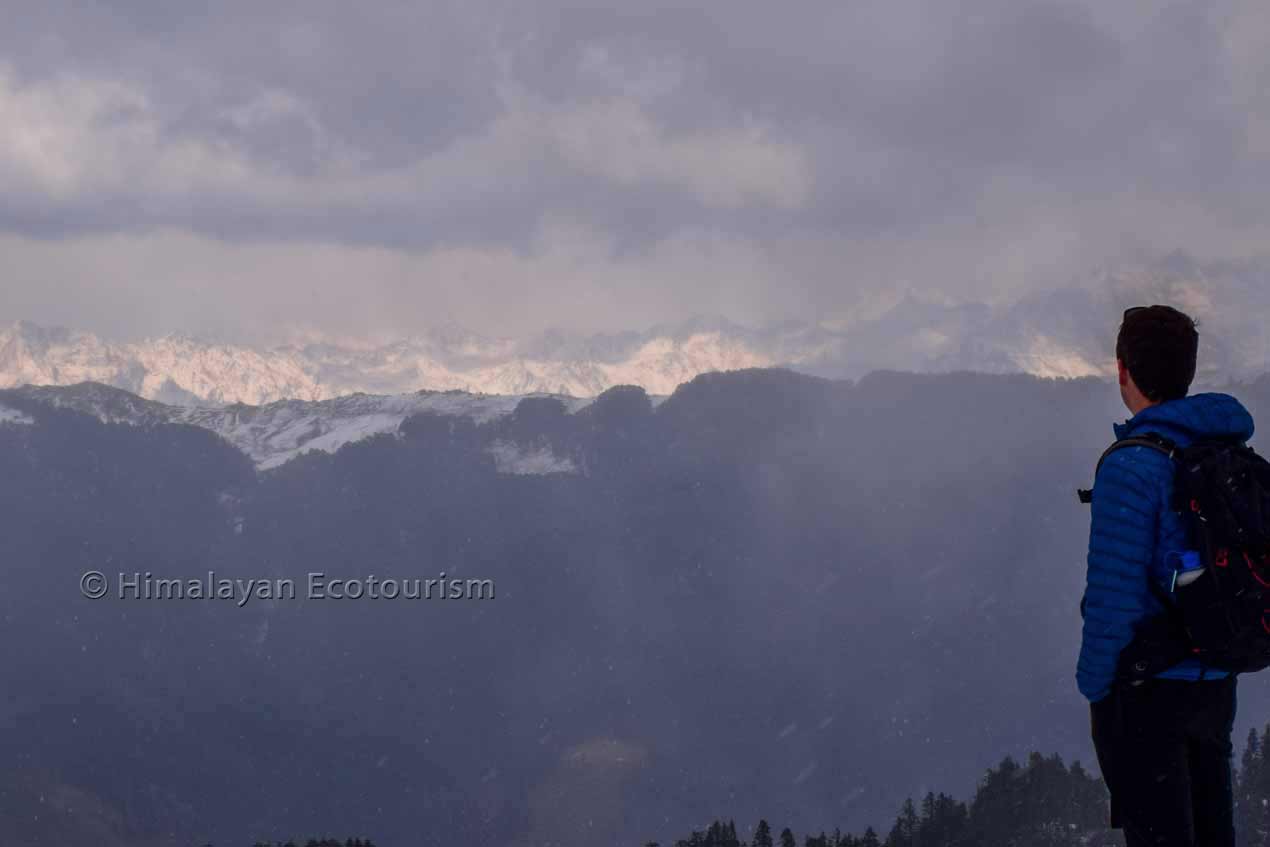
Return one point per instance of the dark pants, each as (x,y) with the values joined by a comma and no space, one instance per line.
(1164,750)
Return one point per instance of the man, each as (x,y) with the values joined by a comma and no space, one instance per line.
(1163,744)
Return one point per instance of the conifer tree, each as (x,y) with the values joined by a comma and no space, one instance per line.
(904,832)
(763,835)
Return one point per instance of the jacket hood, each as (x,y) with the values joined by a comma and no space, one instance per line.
(1188,418)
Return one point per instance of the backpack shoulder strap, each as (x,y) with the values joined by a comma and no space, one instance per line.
(1148,439)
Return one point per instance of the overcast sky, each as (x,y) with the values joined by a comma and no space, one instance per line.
(372,168)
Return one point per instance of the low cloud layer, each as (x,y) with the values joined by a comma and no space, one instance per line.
(515,166)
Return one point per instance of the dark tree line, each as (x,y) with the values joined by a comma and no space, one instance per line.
(314,842)
(1252,791)
(1042,803)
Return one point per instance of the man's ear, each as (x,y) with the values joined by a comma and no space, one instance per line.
(1122,372)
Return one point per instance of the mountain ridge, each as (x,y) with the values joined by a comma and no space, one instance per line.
(272,434)
(1066,331)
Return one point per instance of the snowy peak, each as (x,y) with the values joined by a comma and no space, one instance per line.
(184,370)
(1064,332)
(181,370)
(55,356)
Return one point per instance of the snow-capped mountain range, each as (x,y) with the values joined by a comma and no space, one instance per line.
(275,404)
(184,370)
(1062,332)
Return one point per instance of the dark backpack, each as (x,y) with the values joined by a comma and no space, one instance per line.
(1222,490)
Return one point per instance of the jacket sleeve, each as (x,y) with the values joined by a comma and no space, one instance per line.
(1122,533)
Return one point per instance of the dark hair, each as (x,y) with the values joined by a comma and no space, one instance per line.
(1159,345)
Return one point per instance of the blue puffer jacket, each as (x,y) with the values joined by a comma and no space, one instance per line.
(1132,530)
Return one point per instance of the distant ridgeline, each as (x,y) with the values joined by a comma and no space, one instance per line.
(769,593)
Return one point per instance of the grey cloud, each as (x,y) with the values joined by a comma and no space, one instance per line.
(850,146)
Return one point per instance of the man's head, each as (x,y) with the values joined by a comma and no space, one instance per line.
(1155,353)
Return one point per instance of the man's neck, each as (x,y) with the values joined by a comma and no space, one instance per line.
(1138,404)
